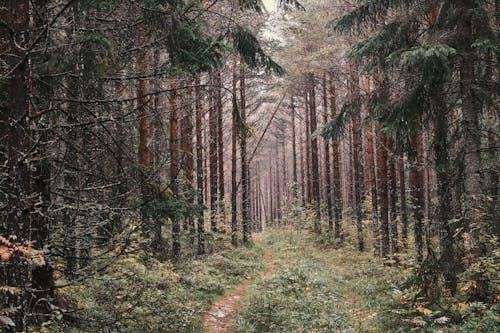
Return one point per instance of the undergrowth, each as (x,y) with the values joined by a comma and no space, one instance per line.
(321,285)
(138,296)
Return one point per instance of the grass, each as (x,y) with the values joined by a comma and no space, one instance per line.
(137,296)
(322,286)
(316,288)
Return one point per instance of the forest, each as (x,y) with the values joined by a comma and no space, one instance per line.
(249,166)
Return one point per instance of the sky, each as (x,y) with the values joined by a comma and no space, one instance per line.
(269,5)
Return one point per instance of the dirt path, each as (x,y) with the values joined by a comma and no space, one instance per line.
(219,319)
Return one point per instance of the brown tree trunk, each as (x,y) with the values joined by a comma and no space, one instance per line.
(308,145)
(199,165)
(337,186)
(187,156)
(234,142)
(402,197)
(314,154)
(357,148)
(212,120)
(302,167)
(326,147)
(22,184)
(243,153)
(220,144)
(382,194)
(372,178)
(393,197)
(174,170)
(416,188)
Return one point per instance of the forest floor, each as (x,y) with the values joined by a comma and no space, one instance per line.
(220,317)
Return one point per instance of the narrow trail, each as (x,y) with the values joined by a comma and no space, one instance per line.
(220,316)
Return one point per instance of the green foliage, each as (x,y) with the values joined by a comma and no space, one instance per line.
(172,208)
(367,14)
(191,50)
(247,45)
(133,296)
(335,128)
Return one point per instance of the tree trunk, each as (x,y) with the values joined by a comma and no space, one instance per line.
(314,154)
(174,170)
(383,189)
(402,196)
(199,165)
(294,152)
(212,120)
(393,197)
(220,145)
(234,139)
(372,181)
(416,188)
(337,186)
(356,140)
(187,156)
(243,153)
(326,147)
(22,187)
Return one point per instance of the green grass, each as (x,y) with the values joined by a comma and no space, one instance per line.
(315,289)
(322,286)
(136,296)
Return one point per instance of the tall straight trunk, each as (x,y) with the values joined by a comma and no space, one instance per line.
(357,148)
(448,260)
(337,186)
(243,153)
(271,197)
(402,199)
(328,171)
(220,144)
(22,184)
(417,193)
(174,170)
(314,154)
(372,180)
(393,196)
(187,156)
(383,192)
(277,181)
(302,167)
(234,143)
(309,194)
(294,151)
(283,168)
(212,120)
(199,165)
(151,227)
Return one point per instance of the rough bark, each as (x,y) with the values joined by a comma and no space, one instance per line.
(234,143)
(199,166)
(314,154)
(356,155)
(326,147)
(212,138)
(337,186)
(243,154)
(174,170)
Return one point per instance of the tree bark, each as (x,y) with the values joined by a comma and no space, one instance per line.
(314,154)
(234,143)
(199,165)
(337,186)
(174,170)
(243,153)
(212,120)
(326,147)
(356,140)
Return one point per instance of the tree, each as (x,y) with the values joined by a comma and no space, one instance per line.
(22,185)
